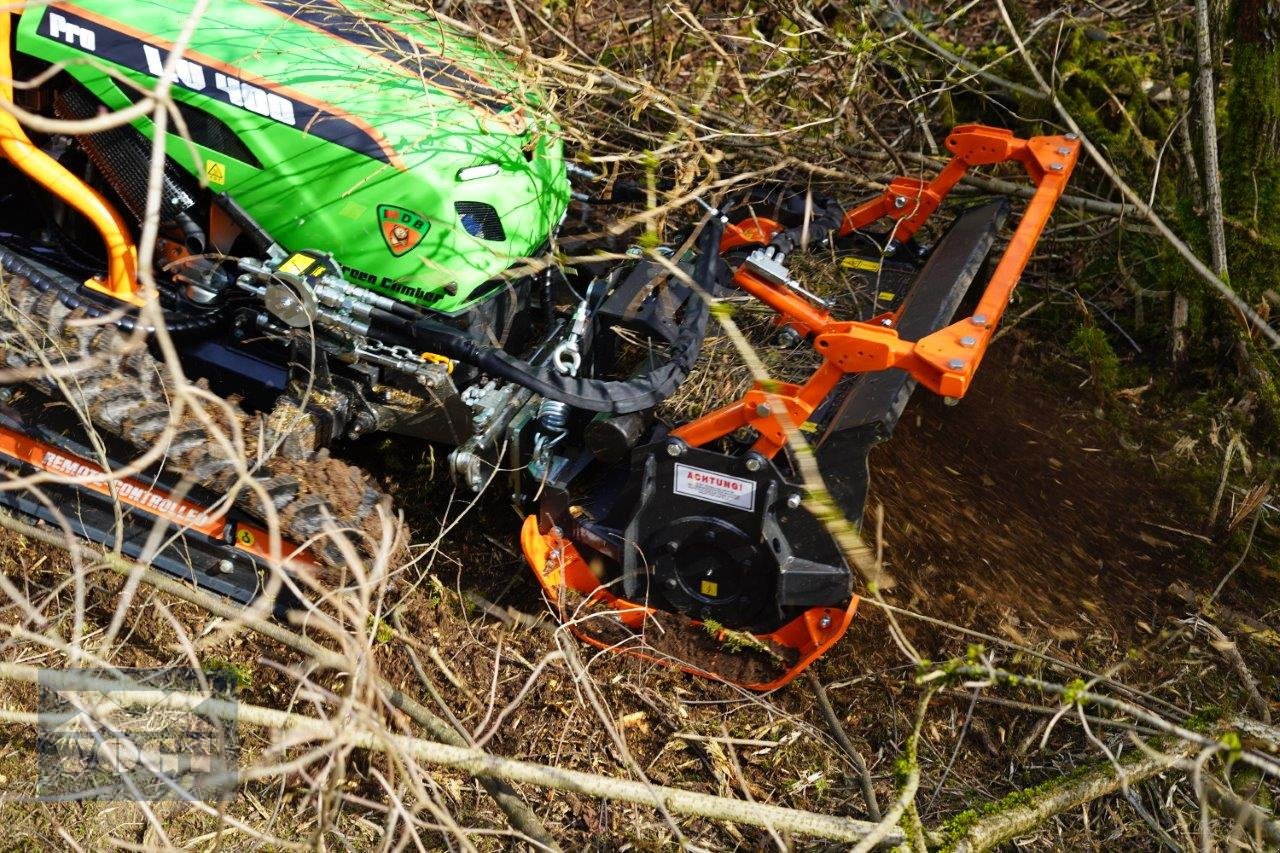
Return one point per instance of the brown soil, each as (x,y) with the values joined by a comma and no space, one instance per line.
(1019,503)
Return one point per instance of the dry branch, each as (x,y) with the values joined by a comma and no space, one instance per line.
(842,738)
(123,692)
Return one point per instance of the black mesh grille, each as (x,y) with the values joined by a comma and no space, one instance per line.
(480,220)
(123,156)
(206,129)
(211,132)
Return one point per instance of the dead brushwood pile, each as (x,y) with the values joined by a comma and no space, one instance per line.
(1076,642)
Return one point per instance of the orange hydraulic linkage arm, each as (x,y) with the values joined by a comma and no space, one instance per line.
(945,361)
(122,254)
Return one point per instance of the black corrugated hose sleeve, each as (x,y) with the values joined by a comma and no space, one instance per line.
(73,295)
(819,230)
(618,397)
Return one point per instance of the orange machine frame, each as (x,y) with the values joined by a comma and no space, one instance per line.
(944,362)
(121,280)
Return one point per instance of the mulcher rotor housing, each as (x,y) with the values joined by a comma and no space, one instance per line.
(358,225)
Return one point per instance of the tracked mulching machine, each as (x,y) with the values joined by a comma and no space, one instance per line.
(356,214)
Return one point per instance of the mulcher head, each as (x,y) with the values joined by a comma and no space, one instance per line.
(712,530)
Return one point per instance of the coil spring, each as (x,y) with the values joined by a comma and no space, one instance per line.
(553,415)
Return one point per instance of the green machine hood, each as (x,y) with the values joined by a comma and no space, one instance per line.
(373,132)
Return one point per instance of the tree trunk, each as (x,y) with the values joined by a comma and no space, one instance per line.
(1251,176)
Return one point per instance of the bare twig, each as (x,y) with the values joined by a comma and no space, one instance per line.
(842,738)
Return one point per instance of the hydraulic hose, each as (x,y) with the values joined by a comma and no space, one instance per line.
(617,397)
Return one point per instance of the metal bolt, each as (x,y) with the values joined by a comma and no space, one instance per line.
(968,341)
(554,555)
(1072,136)
(955,364)
(557,532)
(226,566)
(754,464)
(675,449)
(1064,151)
(887,321)
(763,411)
(978,320)
(1057,167)
(825,621)
(671,582)
(793,500)
(900,201)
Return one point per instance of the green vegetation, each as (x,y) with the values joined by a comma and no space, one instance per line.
(239,674)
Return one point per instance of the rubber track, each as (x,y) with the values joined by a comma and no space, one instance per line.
(125,391)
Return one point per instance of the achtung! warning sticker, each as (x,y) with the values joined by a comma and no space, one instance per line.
(714,487)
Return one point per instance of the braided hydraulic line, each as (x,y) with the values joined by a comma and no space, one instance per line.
(124,390)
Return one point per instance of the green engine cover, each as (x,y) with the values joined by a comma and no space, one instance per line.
(414,155)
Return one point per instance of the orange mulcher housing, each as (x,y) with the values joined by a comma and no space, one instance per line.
(944,362)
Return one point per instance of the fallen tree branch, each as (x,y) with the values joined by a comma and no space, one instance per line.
(1022,816)
(476,762)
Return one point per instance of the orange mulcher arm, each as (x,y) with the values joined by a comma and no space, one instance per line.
(945,361)
(122,255)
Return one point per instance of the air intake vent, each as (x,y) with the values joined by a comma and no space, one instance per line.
(480,220)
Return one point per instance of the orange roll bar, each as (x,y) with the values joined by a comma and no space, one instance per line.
(122,255)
